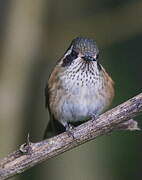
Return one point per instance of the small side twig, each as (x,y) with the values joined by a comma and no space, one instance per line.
(119,117)
(26,147)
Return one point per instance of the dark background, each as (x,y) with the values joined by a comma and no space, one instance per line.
(33,36)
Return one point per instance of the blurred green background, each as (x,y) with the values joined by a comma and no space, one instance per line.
(33,36)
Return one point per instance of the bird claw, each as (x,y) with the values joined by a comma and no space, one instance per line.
(93,116)
(69,127)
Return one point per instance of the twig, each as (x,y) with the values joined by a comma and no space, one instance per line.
(30,154)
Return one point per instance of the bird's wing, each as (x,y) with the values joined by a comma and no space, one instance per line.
(46,93)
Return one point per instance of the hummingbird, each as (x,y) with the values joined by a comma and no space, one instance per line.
(78,87)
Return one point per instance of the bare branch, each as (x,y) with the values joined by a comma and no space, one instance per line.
(30,154)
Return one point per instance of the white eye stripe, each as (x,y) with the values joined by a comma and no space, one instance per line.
(68,52)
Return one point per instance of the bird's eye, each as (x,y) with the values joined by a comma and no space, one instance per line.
(69,58)
(74,54)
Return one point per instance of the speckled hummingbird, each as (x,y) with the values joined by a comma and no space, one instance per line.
(78,87)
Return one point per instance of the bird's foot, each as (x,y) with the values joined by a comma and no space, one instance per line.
(69,127)
(93,116)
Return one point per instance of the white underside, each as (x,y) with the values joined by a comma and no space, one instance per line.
(82,98)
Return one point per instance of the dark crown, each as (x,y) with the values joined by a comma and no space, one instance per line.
(85,46)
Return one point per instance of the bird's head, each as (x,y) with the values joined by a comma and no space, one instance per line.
(81,49)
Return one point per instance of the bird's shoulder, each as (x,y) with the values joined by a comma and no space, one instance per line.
(51,84)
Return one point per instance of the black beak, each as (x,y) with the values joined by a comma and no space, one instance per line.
(88,58)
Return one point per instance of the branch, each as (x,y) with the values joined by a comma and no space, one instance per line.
(30,154)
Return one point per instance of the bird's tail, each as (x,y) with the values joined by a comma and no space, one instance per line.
(53,128)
